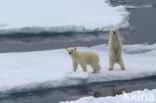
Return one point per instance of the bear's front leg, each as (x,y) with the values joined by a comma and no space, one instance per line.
(84,67)
(75,64)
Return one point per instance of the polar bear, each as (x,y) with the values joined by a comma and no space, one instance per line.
(84,58)
(115,49)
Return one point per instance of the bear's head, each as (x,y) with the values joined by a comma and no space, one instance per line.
(71,51)
(114,32)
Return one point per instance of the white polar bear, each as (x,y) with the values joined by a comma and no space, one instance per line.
(84,58)
(115,49)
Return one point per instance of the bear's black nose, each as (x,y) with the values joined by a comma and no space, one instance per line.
(69,52)
(114,33)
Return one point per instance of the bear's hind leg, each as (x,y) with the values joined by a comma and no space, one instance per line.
(96,68)
(111,65)
(121,65)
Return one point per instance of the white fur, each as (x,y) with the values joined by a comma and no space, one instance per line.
(84,58)
(115,50)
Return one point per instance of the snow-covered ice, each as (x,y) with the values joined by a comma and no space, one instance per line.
(138,6)
(53,68)
(60,16)
(145,96)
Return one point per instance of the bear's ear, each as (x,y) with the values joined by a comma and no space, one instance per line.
(75,48)
(117,31)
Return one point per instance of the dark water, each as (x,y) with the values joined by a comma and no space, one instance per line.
(75,92)
(142,21)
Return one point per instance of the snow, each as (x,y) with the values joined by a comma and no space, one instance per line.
(59,16)
(145,96)
(139,6)
(53,68)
